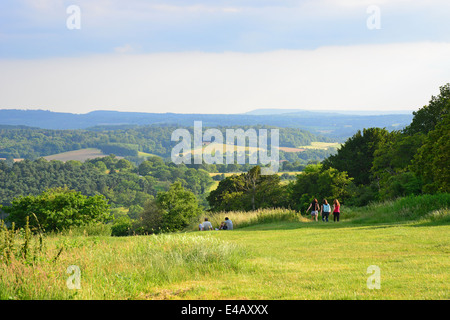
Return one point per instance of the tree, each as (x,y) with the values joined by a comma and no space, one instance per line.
(248,191)
(145,168)
(57,209)
(172,210)
(124,164)
(356,155)
(432,160)
(320,183)
(390,169)
(427,118)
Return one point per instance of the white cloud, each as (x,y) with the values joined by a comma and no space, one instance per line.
(127,48)
(365,77)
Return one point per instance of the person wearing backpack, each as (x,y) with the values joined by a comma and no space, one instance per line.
(325,210)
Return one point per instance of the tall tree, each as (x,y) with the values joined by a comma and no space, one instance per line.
(432,161)
(426,118)
(356,155)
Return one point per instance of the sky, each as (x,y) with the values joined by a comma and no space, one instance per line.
(223,56)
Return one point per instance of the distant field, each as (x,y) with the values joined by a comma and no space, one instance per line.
(314,145)
(321,145)
(287,149)
(78,155)
(145,154)
(223,147)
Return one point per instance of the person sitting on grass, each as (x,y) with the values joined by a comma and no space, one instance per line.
(207,225)
(228,224)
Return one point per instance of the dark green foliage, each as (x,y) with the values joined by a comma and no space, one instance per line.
(427,118)
(122,226)
(117,179)
(32,143)
(248,191)
(317,182)
(58,209)
(390,169)
(432,161)
(386,165)
(172,210)
(356,155)
(121,149)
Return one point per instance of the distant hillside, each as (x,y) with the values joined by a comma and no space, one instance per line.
(336,126)
(132,141)
(337,113)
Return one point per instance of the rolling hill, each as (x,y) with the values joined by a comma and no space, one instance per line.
(331,124)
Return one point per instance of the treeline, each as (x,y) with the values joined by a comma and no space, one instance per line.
(32,143)
(252,191)
(128,141)
(374,164)
(415,160)
(121,182)
(306,156)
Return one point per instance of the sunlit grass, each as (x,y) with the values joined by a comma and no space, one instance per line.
(271,254)
(242,219)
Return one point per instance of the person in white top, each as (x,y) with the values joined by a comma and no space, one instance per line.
(228,223)
(207,225)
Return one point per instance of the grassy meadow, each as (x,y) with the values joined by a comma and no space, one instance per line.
(271,254)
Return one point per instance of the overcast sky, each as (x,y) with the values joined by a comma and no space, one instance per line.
(224,56)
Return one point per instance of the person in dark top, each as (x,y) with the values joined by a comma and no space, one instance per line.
(314,206)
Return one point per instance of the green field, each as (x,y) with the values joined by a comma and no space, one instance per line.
(146,154)
(271,254)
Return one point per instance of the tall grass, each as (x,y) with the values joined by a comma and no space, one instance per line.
(97,229)
(111,268)
(242,219)
(424,207)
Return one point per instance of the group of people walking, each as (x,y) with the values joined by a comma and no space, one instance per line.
(225,225)
(325,210)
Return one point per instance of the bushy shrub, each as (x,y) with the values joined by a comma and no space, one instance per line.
(122,226)
(58,209)
(172,210)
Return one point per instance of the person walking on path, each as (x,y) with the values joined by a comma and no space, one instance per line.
(314,206)
(336,210)
(325,210)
